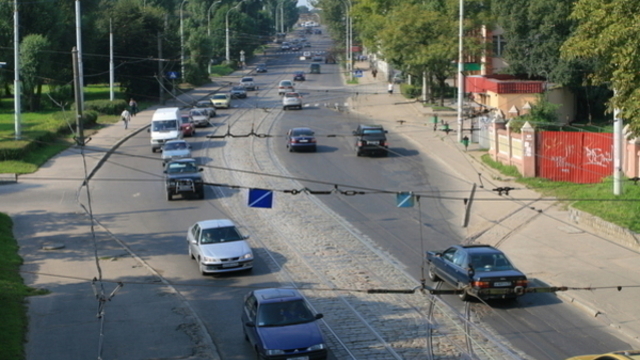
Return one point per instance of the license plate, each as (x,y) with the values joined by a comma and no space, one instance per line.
(372,142)
(231,264)
(502,283)
(303,140)
(299,358)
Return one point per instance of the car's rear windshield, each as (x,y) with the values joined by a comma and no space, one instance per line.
(490,262)
(221,234)
(247,79)
(302,133)
(372,131)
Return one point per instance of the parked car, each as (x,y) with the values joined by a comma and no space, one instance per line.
(285,86)
(207,106)
(248,84)
(481,271)
(615,355)
(301,139)
(188,128)
(238,92)
(291,100)
(218,247)
(299,76)
(279,325)
(371,139)
(182,177)
(221,100)
(261,68)
(199,117)
(175,149)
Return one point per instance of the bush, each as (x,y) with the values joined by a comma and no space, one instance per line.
(410,91)
(106,107)
(221,70)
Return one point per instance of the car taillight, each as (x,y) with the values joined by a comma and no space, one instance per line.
(523,282)
(481,284)
(312,140)
(384,143)
(360,143)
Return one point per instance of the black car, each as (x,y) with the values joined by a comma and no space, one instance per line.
(371,139)
(183,177)
(299,76)
(301,139)
(261,68)
(481,271)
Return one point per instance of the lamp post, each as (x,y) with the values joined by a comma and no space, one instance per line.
(348,34)
(460,70)
(209,17)
(227,55)
(182,42)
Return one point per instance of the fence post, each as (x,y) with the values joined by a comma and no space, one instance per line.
(529,150)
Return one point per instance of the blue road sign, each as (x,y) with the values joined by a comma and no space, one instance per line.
(357,73)
(260,198)
(404,199)
(173,75)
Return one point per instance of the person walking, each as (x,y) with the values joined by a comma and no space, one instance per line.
(390,88)
(133,105)
(126,117)
(374,73)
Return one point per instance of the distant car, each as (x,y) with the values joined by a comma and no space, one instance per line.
(371,139)
(285,47)
(301,139)
(188,128)
(616,355)
(285,86)
(261,68)
(299,76)
(183,177)
(291,100)
(238,92)
(317,58)
(219,247)
(175,149)
(199,117)
(248,84)
(482,271)
(207,106)
(306,55)
(279,325)
(221,100)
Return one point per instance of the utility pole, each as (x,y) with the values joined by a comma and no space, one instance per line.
(16,82)
(79,46)
(460,71)
(617,152)
(160,74)
(111,67)
(77,95)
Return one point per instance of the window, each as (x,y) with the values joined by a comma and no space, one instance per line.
(459,258)
(499,45)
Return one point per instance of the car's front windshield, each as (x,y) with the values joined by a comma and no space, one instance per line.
(175,146)
(164,125)
(220,97)
(284,313)
(177,168)
(219,235)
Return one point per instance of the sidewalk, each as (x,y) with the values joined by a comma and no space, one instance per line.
(539,236)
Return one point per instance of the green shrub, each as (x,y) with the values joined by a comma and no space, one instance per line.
(106,107)
(221,70)
(410,91)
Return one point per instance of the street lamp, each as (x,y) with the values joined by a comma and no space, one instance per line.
(182,42)
(209,17)
(460,70)
(348,34)
(228,56)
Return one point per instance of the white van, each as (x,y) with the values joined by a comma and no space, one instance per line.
(165,126)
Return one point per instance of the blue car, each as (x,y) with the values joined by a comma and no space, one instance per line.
(279,325)
(301,139)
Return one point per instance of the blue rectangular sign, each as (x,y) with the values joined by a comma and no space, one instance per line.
(260,198)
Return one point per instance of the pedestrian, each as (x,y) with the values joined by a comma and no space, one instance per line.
(374,73)
(390,88)
(133,105)
(126,117)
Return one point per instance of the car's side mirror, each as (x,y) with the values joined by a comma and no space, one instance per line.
(148,130)
(471,271)
(319,316)
(385,131)
(354,132)
(245,237)
(250,324)
(200,169)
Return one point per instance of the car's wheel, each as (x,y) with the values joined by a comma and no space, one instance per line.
(153,150)
(358,152)
(201,267)
(191,254)
(169,196)
(432,275)
(246,338)
(290,149)
(464,296)
(201,194)
(284,108)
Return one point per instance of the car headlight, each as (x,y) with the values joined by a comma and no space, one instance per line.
(317,347)
(209,259)
(271,352)
(247,256)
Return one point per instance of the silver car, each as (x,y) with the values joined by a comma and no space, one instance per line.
(292,100)
(218,246)
(175,149)
(199,117)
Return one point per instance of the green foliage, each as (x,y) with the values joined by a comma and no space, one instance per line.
(508,170)
(13,312)
(542,113)
(221,70)
(106,107)
(410,91)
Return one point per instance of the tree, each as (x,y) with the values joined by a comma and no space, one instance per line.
(607,33)
(34,65)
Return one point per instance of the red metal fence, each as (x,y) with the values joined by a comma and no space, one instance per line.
(577,157)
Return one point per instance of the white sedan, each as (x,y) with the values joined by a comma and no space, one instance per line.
(219,247)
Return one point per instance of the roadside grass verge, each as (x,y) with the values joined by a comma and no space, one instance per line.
(597,199)
(13,292)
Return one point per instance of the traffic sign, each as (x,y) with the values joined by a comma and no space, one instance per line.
(260,198)
(173,75)
(357,73)
(404,199)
